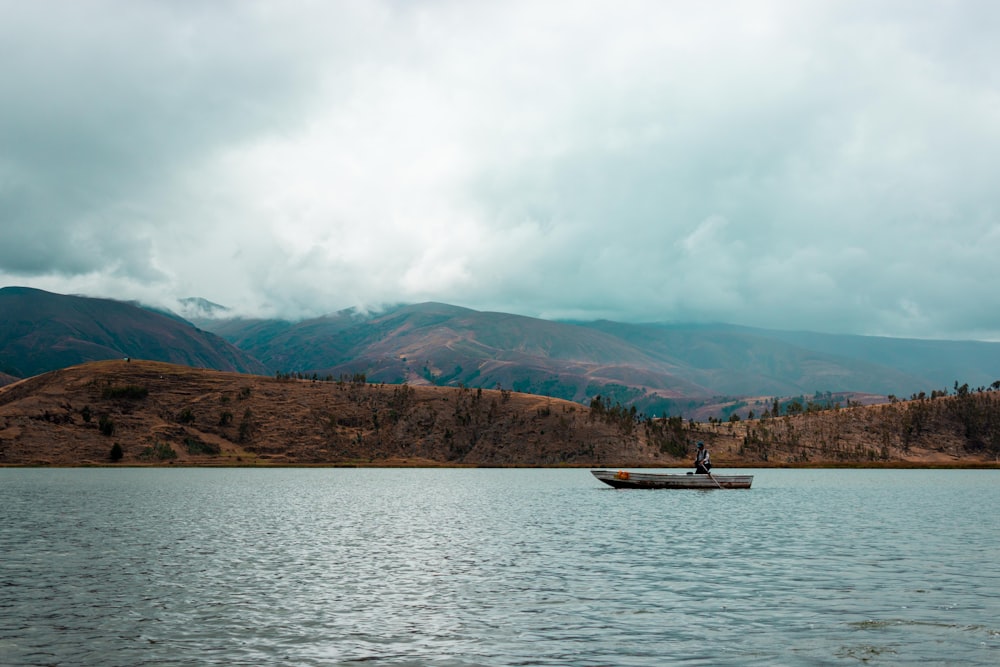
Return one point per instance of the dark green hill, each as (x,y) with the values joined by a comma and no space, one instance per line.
(41,331)
(937,364)
(744,361)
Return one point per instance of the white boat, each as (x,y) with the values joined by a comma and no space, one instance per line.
(626,479)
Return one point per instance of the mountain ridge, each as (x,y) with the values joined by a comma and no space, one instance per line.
(695,370)
(654,366)
(42,331)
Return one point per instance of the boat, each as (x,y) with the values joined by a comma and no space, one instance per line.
(625,479)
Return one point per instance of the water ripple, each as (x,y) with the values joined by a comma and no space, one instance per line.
(454,568)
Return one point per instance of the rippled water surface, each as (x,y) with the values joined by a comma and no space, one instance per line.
(495,567)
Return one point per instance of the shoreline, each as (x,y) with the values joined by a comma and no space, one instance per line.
(892,465)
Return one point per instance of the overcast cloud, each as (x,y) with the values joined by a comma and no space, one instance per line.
(830,166)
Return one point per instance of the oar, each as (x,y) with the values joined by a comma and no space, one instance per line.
(714,480)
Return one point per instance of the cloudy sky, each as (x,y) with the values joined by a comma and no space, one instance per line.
(830,166)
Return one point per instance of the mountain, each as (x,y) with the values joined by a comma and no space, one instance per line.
(937,363)
(734,359)
(673,368)
(195,307)
(698,371)
(740,361)
(445,345)
(152,413)
(41,331)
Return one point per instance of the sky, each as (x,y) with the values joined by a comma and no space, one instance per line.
(823,166)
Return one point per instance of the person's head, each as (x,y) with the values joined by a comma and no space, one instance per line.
(701,445)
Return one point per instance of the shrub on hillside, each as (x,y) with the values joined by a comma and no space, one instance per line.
(127,391)
(106,425)
(161,451)
(196,446)
(247,426)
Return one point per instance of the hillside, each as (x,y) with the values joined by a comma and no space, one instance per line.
(75,415)
(741,361)
(674,369)
(658,368)
(695,371)
(162,414)
(41,331)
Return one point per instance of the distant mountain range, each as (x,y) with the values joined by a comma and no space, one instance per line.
(674,368)
(657,367)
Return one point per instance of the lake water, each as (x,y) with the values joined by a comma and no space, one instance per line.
(496,567)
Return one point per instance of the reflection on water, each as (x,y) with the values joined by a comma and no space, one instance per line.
(495,567)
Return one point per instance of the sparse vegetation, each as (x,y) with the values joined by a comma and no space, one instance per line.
(668,435)
(197,446)
(357,422)
(247,426)
(106,425)
(970,419)
(160,451)
(617,414)
(127,392)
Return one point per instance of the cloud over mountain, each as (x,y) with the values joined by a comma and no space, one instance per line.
(823,165)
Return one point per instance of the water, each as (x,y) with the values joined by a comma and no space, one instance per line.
(453,568)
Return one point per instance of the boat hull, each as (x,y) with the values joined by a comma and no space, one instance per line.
(623,479)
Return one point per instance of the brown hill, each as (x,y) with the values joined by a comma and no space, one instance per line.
(952,431)
(159,413)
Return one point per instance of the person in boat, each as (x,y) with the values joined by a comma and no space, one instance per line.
(702,460)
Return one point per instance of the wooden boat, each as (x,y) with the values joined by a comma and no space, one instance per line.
(624,479)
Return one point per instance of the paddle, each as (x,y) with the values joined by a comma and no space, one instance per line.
(711,478)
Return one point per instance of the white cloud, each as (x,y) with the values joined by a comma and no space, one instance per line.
(820,165)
